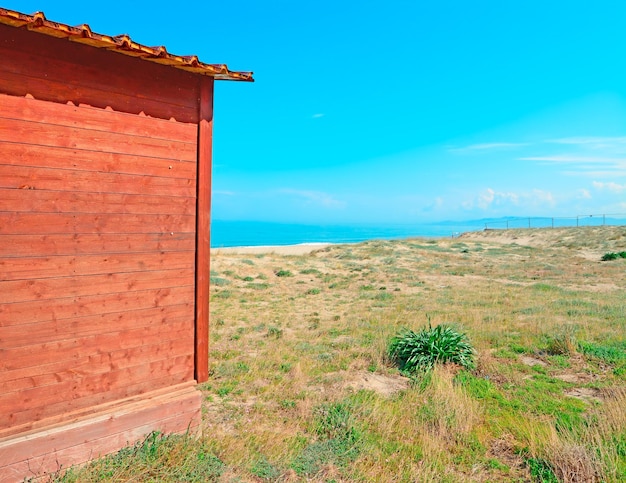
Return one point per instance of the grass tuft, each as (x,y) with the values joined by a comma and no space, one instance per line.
(415,351)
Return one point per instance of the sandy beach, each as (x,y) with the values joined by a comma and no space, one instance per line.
(299,249)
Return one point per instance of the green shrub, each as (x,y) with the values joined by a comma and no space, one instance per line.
(264,470)
(283,273)
(563,343)
(337,442)
(541,470)
(275,332)
(613,256)
(414,351)
(218,281)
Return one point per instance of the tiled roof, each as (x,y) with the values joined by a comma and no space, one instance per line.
(120,43)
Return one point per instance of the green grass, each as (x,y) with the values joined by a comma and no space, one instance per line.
(151,460)
(303,386)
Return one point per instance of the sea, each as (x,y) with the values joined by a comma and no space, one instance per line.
(259,233)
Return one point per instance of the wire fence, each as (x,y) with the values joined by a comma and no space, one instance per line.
(614,219)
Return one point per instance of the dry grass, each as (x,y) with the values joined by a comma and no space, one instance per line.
(301,388)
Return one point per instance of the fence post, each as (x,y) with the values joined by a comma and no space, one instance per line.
(576,220)
(529,222)
(552,222)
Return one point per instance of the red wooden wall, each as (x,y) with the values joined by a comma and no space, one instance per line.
(99,262)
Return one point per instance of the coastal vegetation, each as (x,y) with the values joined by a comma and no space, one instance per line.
(308,381)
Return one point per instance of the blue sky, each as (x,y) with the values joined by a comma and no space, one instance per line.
(400,111)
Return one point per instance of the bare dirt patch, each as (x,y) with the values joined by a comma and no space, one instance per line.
(586,394)
(531,361)
(379,383)
(504,449)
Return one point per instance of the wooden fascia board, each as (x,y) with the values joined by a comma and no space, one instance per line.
(203,227)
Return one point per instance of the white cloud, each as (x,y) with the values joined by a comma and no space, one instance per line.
(592,141)
(595,174)
(318,115)
(584,194)
(315,197)
(543,197)
(610,186)
(590,156)
(492,199)
(434,205)
(585,165)
(224,193)
(486,147)
(574,158)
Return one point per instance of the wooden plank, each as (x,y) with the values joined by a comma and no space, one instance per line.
(49,90)
(61,71)
(37,311)
(75,416)
(45,201)
(83,65)
(104,431)
(56,330)
(27,132)
(51,223)
(32,178)
(203,228)
(14,107)
(19,268)
(69,350)
(51,374)
(90,244)
(78,286)
(113,424)
(27,400)
(76,403)
(180,420)
(18,154)
(89,364)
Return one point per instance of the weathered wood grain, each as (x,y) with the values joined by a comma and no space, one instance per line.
(79,286)
(20,223)
(77,327)
(61,71)
(45,201)
(35,133)
(34,110)
(58,244)
(110,302)
(85,364)
(203,229)
(71,403)
(107,427)
(40,156)
(20,268)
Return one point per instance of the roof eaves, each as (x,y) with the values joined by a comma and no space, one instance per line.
(121,43)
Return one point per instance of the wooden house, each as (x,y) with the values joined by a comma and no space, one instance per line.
(105,173)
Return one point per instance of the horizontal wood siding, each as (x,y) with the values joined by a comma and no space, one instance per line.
(107,428)
(59,70)
(97,245)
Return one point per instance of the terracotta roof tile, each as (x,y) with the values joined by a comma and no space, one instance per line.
(120,43)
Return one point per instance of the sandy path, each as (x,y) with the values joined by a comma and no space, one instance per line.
(300,249)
